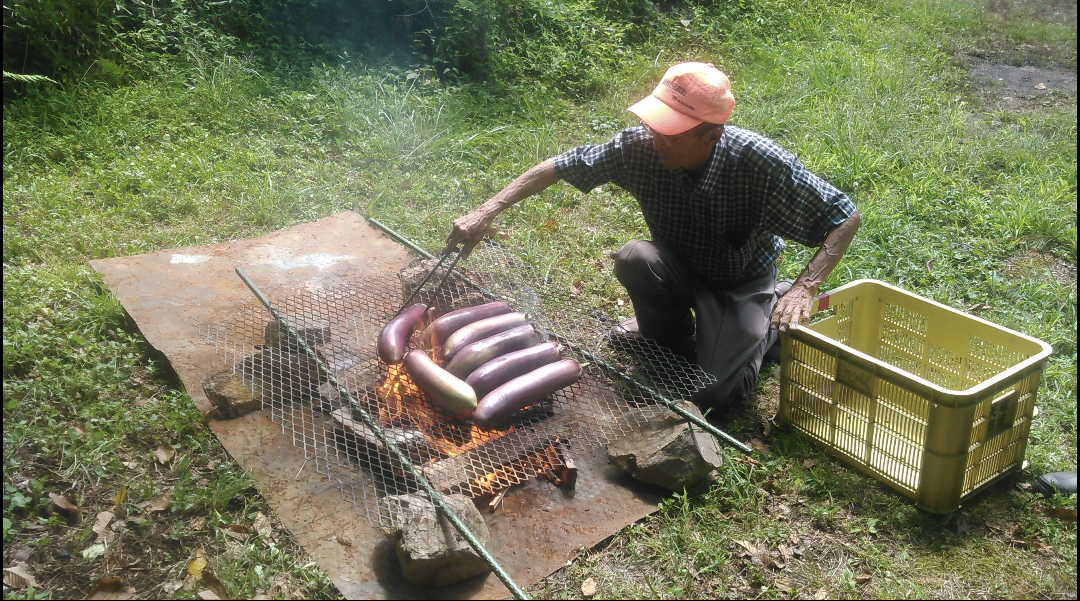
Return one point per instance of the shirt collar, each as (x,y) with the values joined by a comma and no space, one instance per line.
(715,165)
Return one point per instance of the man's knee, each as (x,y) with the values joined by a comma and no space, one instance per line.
(635,263)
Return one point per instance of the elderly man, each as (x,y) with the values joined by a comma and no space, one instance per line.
(718,201)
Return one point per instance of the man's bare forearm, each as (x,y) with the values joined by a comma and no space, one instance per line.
(828,256)
(793,309)
(533,181)
(469,229)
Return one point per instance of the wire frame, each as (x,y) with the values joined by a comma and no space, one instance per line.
(342,324)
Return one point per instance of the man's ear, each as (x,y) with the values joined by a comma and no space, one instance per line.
(715,134)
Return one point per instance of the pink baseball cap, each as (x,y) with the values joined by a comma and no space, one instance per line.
(688,95)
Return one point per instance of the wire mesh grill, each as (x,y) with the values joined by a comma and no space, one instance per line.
(342,324)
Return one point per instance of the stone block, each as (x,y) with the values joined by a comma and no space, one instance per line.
(280,375)
(667,451)
(229,395)
(431,551)
(312,330)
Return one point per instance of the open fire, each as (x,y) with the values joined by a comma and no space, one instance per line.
(455,455)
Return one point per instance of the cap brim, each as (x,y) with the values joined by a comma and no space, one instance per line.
(662,118)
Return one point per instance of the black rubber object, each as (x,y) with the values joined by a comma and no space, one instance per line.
(1056,482)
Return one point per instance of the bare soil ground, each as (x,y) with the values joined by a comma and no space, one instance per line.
(1009,75)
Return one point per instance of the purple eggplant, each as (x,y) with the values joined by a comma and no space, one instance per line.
(447,324)
(478,330)
(480,352)
(442,387)
(394,338)
(501,370)
(522,391)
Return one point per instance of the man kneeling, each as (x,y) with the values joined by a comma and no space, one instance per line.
(719,201)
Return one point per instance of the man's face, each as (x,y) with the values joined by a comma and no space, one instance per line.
(688,150)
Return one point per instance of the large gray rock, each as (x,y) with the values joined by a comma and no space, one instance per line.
(431,551)
(312,330)
(280,375)
(667,451)
(229,395)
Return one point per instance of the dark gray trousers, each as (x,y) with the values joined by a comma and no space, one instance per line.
(732,322)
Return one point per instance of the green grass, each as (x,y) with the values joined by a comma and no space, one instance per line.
(215,149)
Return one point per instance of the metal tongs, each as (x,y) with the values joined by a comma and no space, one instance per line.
(442,283)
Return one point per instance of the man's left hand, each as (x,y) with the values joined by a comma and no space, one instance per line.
(793,309)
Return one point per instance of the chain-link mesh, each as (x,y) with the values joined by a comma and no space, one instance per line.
(342,324)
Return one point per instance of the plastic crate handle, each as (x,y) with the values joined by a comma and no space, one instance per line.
(820,303)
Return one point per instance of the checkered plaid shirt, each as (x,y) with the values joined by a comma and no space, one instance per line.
(728,225)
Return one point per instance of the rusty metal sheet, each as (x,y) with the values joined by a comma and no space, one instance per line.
(536,530)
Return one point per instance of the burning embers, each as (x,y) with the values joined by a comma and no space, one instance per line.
(455,455)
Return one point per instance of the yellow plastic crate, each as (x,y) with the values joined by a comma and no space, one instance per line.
(934,402)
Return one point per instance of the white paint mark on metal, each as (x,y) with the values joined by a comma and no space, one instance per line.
(318,260)
(189,259)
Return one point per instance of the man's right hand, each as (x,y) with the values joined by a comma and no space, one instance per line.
(467,231)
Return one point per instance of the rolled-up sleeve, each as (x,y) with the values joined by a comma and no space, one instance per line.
(801,206)
(592,165)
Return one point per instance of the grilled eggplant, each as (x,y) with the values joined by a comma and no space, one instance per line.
(501,370)
(444,326)
(480,352)
(522,391)
(445,389)
(394,338)
(479,330)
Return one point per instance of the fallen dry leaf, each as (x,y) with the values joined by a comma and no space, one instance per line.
(262,526)
(158,503)
(1042,547)
(64,505)
(341,540)
(784,586)
(101,524)
(18,576)
(793,539)
(120,496)
(821,594)
(588,588)
(746,460)
(94,551)
(233,549)
(196,565)
(236,531)
(211,582)
(760,446)
(575,288)
(165,453)
(761,554)
(112,589)
(809,463)
(863,578)
(1033,544)
(785,552)
(172,587)
(1062,513)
